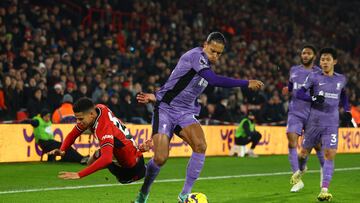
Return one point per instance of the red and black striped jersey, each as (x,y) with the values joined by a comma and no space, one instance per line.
(114,140)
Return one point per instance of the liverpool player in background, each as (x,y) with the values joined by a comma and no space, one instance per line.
(323,123)
(298,114)
(176,107)
(118,151)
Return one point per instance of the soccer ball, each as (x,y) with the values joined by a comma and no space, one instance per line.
(196,198)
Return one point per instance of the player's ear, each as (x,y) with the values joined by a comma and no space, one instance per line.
(335,61)
(205,44)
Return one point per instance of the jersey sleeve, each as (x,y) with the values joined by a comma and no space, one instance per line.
(71,137)
(103,161)
(344,99)
(199,62)
(105,135)
(290,73)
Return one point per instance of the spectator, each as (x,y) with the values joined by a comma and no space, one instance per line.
(273,111)
(355,112)
(65,113)
(55,96)
(36,103)
(114,104)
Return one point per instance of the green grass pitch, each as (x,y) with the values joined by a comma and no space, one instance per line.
(223,180)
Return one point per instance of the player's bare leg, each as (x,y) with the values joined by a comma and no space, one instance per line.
(161,154)
(194,136)
(328,171)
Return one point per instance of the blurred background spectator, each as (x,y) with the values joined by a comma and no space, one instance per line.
(110,50)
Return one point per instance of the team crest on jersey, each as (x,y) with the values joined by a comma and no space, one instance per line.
(203,62)
(338,86)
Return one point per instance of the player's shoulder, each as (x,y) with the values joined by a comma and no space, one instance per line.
(316,68)
(295,67)
(340,76)
(196,52)
(103,113)
(101,107)
(314,74)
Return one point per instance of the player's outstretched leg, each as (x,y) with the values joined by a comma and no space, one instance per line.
(161,153)
(194,136)
(152,171)
(193,170)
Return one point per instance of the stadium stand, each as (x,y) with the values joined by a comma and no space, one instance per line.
(112,47)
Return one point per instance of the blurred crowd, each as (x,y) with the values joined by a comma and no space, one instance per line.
(47,51)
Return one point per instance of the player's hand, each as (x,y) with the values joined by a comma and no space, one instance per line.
(146,146)
(318,99)
(68,175)
(56,152)
(145,98)
(255,84)
(285,91)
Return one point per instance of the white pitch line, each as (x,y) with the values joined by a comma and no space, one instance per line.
(165,181)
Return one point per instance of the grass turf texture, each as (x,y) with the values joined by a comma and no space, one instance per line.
(262,188)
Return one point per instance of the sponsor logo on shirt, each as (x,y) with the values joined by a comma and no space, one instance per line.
(107,137)
(203,82)
(331,95)
(298,85)
(321,84)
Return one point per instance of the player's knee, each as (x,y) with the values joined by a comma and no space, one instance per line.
(303,153)
(200,147)
(318,147)
(329,154)
(292,140)
(160,160)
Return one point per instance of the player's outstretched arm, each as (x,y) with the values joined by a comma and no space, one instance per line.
(301,94)
(221,81)
(71,137)
(145,98)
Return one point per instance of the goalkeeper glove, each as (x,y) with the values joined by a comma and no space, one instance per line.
(318,99)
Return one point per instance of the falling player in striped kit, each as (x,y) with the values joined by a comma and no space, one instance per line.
(118,152)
